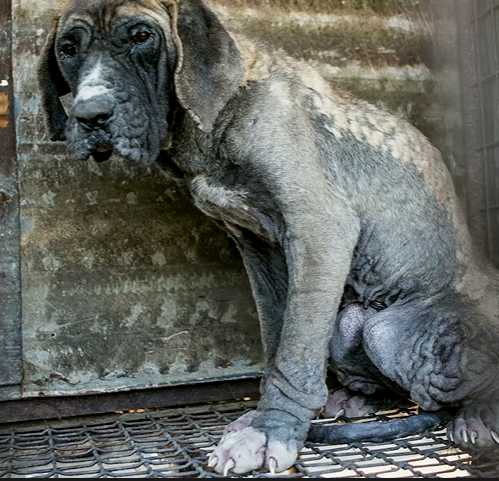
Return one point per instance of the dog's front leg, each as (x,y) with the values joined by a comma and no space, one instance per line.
(265,264)
(318,246)
(267,271)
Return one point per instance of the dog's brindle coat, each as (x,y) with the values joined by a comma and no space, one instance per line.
(345,216)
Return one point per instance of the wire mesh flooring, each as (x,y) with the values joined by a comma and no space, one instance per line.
(176,443)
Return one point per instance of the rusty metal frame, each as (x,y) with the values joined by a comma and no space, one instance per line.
(94,446)
(174,396)
(10,277)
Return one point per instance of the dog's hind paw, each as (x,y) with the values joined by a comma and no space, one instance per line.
(476,429)
(350,404)
(248,449)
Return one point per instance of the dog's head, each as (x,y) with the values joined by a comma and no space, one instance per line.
(127,63)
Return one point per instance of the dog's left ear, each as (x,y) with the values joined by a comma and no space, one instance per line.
(209,66)
(52,86)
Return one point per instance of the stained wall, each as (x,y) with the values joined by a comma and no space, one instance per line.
(124,283)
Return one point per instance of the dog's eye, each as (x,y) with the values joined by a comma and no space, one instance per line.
(141,37)
(69,50)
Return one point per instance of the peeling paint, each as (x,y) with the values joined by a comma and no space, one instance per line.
(132,198)
(51,263)
(399,22)
(88,260)
(49,198)
(129,322)
(158,259)
(27,225)
(127,258)
(92,197)
(410,73)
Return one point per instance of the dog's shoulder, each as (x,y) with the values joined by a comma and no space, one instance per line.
(265,63)
(299,90)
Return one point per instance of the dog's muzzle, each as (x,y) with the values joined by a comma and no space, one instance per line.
(94,115)
(95,112)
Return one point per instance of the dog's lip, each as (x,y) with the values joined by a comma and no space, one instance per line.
(103,148)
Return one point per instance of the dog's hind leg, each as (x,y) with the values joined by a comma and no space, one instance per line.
(367,389)
(444,353)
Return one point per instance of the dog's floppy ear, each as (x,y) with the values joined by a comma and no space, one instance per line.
(209,66)
(52,86)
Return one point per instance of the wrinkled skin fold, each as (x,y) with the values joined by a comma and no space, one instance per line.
(345,216)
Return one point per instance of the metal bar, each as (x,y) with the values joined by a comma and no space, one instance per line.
(63,407)
(491,249)
(484,181)
(490,145)
(10,282)
(472,122)
(480,68)
(487,78)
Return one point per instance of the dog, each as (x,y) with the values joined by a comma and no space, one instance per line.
(346,218)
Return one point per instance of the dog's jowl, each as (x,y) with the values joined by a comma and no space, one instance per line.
(346,218)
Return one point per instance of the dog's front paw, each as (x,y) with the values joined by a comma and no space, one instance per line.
(248,449)
(239,424)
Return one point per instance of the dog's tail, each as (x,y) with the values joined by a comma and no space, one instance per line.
(379,431)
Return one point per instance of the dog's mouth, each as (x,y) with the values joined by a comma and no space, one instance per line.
(102,152)
(101,144)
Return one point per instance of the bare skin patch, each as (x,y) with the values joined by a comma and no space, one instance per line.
(282,93)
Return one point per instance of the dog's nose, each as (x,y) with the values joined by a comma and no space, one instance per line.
(94,113)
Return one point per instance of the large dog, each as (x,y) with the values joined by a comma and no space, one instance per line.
(346,218)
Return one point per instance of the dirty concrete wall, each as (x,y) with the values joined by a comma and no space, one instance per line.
(125,284)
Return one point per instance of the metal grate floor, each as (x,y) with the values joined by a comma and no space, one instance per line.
(176,442)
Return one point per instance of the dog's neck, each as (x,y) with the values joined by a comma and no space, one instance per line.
(186,146)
